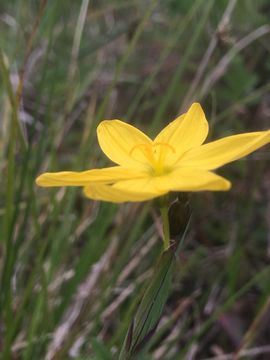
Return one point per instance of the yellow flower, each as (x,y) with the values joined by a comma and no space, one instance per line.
(175,160)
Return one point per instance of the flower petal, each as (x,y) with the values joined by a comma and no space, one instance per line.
(185,132)
(220,152)
(123,143)
(184,179)
(178,180)
(71,178)
(144,188)
(114,194)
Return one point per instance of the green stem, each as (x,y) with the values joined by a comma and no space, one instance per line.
(166,227)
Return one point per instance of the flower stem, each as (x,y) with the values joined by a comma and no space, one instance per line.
(166,227)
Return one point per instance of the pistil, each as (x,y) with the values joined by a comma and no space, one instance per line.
(155,158)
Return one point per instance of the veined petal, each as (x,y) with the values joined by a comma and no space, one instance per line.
(185,132)
(186,179)
(114,194)
(144,188)
(72,178)
(123,143)
(178,180)
(220,152)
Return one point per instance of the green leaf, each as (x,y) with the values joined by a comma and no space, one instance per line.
(148,314)
(101,351)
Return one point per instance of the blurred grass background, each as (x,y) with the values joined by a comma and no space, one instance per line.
(72,269)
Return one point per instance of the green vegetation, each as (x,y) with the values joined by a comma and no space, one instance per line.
(73,271)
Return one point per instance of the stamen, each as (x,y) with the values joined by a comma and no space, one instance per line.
(155,158)
(147,151)
(164,144)
(144,146)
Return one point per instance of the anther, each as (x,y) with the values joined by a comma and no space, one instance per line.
(164,144)
(144,147)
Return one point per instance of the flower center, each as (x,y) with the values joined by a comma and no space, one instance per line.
(155,154)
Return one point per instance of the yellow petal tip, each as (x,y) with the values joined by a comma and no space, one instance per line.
(227,185)
(41,180)
(106,123)
(196,104)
